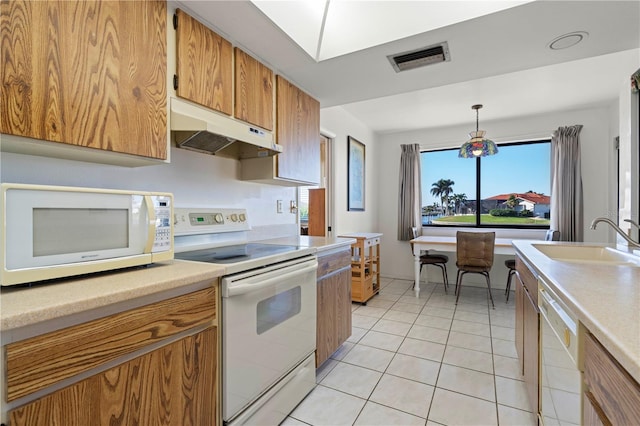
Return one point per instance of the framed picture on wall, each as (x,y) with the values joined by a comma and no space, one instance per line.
(355,175)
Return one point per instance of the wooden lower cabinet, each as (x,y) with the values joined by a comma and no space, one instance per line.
(592,414)
(611,395)
(519,301)
(334,303)
(173,385)
(531,365)
(528,331)
(156,364)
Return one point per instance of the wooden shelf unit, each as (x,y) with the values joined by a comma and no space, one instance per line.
(365,266)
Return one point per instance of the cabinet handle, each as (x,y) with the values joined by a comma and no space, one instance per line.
(175,21)
(175,82)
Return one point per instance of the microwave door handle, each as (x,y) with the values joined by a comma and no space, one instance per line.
(254,284)
(151,225)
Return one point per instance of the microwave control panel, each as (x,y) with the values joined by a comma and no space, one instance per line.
(164,225)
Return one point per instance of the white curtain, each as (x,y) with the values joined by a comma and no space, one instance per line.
(410,195)
(567,215)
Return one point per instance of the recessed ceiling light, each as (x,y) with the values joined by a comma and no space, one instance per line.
(567,40)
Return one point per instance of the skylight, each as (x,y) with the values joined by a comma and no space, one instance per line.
(331,28)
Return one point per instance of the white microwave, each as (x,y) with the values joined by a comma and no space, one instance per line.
(54,231)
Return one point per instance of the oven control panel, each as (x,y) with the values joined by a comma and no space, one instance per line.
(206,220)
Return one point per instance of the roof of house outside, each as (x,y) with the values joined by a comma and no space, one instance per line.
(527,196)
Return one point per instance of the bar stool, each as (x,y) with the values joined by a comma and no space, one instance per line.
(551,235)
(511,265)
(439,260)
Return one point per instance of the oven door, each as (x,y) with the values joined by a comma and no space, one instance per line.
(268,326)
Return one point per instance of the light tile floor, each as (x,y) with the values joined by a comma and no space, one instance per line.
(422,361)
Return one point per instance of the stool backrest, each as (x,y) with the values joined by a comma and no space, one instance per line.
(552,235)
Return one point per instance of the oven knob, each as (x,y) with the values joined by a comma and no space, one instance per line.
(242,217)
(234,217)
(218,218)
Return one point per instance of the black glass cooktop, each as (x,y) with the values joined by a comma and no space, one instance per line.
(235,253)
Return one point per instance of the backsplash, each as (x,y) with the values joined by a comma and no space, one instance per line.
(196,180)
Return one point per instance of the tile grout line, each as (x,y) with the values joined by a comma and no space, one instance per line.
(395,354)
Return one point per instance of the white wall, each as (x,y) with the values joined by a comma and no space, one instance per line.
(597,175)
(196,180)
(340,123)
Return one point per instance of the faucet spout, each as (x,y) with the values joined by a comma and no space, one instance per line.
(615,228)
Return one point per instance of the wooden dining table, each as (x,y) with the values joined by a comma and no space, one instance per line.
(447,244)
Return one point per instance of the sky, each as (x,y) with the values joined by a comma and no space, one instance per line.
(515,168)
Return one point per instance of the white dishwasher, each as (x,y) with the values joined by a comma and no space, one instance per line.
(560,377)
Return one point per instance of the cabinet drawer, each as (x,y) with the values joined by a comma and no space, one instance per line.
(529,280)
(614,390)
(327,263)
(371,242)
(65,353)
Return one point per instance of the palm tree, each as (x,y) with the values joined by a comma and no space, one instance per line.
(443,188)
(458,200)
(512,201)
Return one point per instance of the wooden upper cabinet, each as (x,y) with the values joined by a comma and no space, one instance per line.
(253,91)
(298,131)
(87,73)
(204,65)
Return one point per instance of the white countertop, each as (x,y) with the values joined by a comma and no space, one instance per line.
(54,304)
(605,298)
(362,235)
(45,303)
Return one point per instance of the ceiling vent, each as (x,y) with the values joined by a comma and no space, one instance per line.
(420,57)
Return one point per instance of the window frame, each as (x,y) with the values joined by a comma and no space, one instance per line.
(478,191)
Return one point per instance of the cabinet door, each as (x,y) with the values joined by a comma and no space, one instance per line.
(173,385)
(317,210)
(87,73)
(298,131)
(333,313)
(204,65)
(613,390)
(531,351)
(520,298)
(253,91)
(592,414)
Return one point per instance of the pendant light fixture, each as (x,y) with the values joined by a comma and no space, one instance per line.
(478,145)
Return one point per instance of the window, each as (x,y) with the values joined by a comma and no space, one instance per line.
(509,189)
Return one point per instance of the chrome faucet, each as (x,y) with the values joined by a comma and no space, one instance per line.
(633,223)
(615,228)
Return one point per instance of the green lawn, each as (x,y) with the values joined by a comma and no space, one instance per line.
(487,219)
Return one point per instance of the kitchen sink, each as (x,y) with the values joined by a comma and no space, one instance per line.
(587,254)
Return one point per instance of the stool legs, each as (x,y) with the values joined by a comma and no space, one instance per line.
(445,278)
(459,284)
(508,290)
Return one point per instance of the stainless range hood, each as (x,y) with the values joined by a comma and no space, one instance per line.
(199,129)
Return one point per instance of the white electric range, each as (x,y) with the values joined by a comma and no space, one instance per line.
(268,316)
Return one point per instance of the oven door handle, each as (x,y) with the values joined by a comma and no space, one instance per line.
(259,282)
